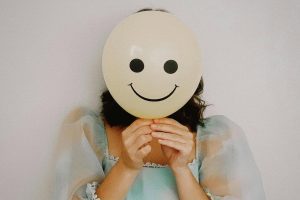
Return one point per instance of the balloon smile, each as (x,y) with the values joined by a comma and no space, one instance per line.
(147,99)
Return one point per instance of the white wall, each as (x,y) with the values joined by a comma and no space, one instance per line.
(50,63)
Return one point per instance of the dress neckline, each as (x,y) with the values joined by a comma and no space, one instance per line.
(147,164)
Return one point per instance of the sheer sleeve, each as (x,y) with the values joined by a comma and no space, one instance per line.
(228,170)
(78,157)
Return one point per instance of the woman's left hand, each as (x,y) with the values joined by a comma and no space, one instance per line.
(176,141)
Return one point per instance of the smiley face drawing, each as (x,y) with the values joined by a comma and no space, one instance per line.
(151,64)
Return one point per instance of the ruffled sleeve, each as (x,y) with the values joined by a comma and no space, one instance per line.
(228,170)
(78,157)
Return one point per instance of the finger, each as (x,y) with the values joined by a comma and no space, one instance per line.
(144,151)
(169,136)
(171,122)
(136,124)
(176,145)
(170,129)
(144,130)
(140,141)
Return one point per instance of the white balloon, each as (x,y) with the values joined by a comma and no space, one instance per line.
(151,64)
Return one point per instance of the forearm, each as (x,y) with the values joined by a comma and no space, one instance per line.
(188,187)
(116,184)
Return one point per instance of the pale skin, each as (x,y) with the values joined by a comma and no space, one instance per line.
(163,141)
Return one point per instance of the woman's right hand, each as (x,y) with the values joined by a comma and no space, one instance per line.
(134,139)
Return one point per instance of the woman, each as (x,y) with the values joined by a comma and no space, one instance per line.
(114,155)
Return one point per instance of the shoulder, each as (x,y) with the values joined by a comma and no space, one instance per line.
(218,119)
(220,136)
(85,124)
(84,117)
(220,125)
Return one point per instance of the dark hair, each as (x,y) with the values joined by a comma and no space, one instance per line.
(190,114)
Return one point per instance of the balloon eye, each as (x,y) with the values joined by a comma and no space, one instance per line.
(170,66)
(136,65)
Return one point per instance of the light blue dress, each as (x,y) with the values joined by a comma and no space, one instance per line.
(223,166)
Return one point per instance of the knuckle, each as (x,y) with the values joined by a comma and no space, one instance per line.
(125,142)
(137,122)
(130,153)
(158,125)
(173,128)
(123,139)
(173,137)
(186,153)
(123,134)
(138,141)
(189,135)
(145,150)
(190,142)
(144,129)
(173,120)
(176,136)
(143,138)
(186,128)
(189,148)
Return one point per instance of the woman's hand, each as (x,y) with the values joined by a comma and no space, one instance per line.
(176,140)
(135,139)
